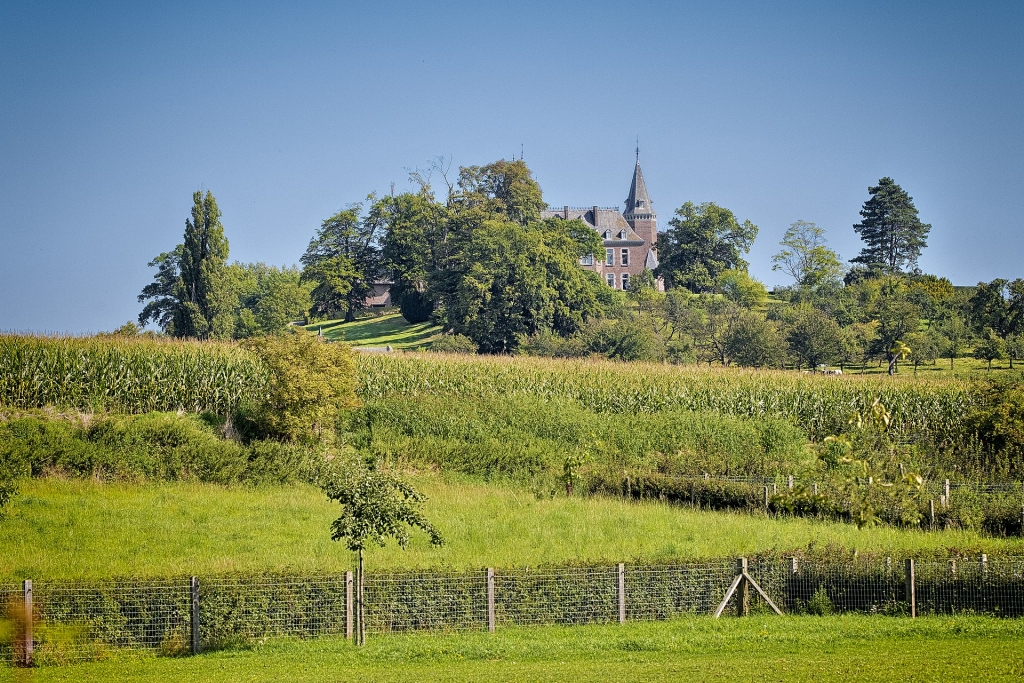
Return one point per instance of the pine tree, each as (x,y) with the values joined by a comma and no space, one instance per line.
(891,229)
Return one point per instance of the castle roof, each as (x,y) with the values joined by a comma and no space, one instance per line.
(638,200)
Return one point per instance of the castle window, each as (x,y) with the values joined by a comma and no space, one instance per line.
(610,277)
(625,257)
(609,257)
(625,280)
(622,234)
(607,234)
(587,260)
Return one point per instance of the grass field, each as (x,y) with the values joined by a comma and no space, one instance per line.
(80,528)
(819,649)
(390,329)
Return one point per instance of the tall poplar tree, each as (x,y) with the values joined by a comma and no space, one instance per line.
(893,233)
(188,296)
(203,257)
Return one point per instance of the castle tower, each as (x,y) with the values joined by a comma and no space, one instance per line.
(639,211)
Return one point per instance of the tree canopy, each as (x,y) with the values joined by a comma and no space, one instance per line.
(701,242)
(893,234)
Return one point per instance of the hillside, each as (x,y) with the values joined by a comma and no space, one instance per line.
(389,329)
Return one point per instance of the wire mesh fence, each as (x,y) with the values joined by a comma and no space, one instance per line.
(75,621)
(433,601)
(562,595)
(664,591)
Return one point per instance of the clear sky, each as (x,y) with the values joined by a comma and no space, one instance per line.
(112,114)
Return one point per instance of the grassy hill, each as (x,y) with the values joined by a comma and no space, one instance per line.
(389,329)
(84,529)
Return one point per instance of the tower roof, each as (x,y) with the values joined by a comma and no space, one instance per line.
(638,200)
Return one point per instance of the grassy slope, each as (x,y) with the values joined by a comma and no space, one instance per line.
(387,330)
(819,649)
(63,529)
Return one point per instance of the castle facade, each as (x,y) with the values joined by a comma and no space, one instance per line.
(629,237)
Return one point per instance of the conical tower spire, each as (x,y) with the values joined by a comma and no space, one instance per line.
(638,201)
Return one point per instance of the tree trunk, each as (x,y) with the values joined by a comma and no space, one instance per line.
(892,364)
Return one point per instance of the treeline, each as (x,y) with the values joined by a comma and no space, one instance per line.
(480,261)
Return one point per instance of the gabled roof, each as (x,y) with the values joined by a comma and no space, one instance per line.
(638,200)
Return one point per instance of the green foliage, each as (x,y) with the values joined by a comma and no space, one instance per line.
(990,347)
(453,343)
(528,439)
(820,604)
(342,262)
(153,446)
(416,306)
(892,232)
(754,342)
(998,424)
(806,258)
(375,506)
(503,187)
(269,300)
(818,405)
(186,296)
(310,382)
(815,338)
(132,375)
(738,287)
(701,242)
(511,281)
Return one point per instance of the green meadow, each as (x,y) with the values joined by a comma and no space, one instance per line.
(80,528)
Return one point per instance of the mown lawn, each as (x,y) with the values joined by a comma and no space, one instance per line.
(820,649)
(81,528)
(386,330)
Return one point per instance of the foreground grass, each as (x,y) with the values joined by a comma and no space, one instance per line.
(820,649)
(386,330)
(81,528)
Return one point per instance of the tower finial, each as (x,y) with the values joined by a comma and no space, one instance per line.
(638,149)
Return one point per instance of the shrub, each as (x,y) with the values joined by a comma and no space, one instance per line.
(453,343)
(162,446)
(310,382)
(416,307)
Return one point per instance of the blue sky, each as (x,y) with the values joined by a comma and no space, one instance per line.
(112,114)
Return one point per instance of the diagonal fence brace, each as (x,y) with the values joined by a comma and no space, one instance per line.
(744,578)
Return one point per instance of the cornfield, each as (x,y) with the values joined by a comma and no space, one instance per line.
(126,375)
(142,375)
(820,405)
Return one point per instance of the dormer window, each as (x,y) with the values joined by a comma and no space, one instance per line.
(622,234)
(607,234)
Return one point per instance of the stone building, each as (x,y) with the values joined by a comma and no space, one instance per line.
(629,237)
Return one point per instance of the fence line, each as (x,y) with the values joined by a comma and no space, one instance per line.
(81,620)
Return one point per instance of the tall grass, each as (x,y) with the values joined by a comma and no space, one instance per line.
(126,375)
(820,405)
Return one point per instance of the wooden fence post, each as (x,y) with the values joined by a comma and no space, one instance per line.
(931,512)
(793,566)
(984,565)
(490,600)
(349,626)
(194,610)
(790,482)
(911,589)
(766,498)
(945,490)
(622,593)
(743,599)
(26,589)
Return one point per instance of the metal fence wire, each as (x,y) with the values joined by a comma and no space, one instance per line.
(664,591)
(432,601)
(563,595)
(77,620)
(989,586)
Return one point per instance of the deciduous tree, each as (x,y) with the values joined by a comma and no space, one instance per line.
(806,258)
(701,242)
